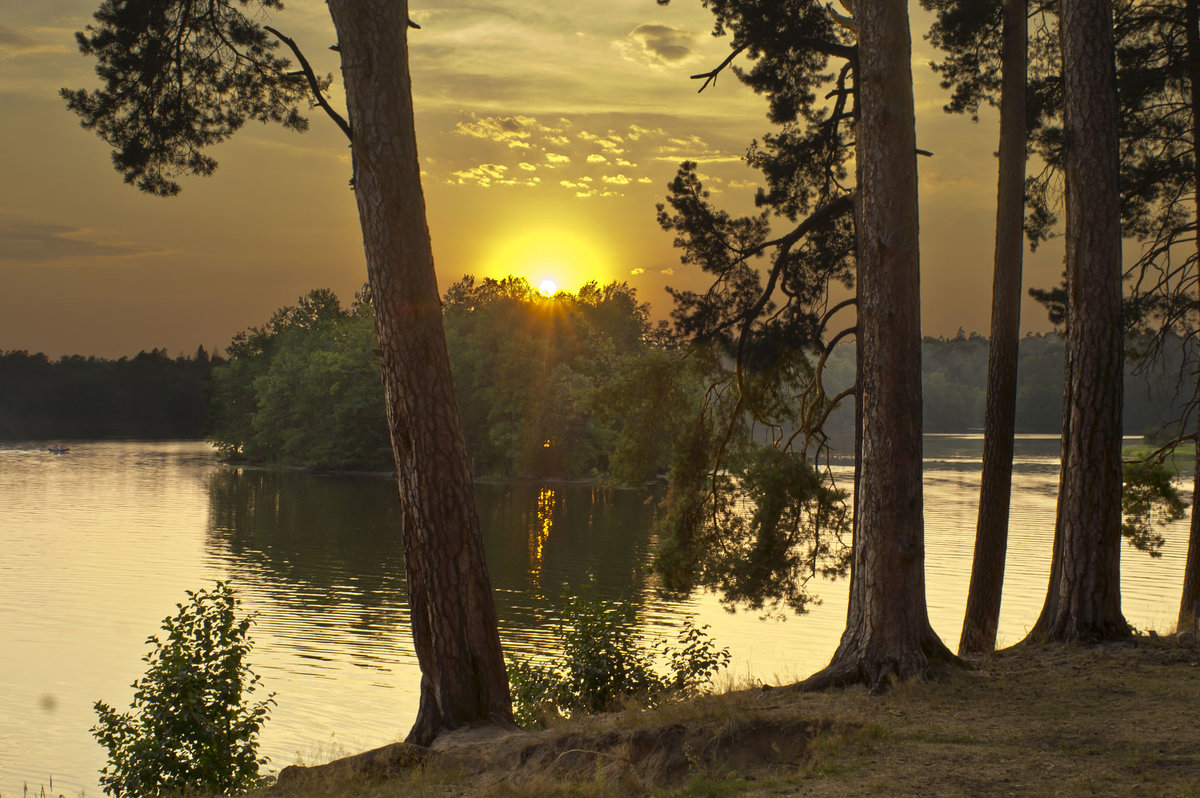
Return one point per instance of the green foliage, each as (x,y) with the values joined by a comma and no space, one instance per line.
(1149,501)
(304,389)
(181,76)
(573,385)
(605,662)
(192,726)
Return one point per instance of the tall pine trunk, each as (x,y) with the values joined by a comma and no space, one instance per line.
(463,677)
(1083,601)
(1191,572)
(991,532)
(887,631)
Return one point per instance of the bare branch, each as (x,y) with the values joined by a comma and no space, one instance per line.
(313,84)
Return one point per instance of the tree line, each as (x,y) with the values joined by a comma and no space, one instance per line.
(150,395)
(755,519)
(575,385)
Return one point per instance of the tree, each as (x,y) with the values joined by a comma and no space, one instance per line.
(185,74)
(957,29)
(1083,601)
(887,632)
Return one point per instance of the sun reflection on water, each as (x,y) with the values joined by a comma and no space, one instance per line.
(539,533)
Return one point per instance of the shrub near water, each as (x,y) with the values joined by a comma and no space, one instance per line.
(192,726)
(605,661)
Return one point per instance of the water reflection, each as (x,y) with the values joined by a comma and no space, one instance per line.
(100,543)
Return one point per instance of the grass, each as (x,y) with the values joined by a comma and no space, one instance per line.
(1116,719)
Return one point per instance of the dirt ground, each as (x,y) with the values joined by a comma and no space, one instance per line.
(1116,719)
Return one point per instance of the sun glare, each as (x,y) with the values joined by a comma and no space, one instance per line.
(551,258)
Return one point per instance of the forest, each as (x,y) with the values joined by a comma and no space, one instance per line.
(150,395)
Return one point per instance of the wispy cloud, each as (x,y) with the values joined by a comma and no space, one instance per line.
(42,243)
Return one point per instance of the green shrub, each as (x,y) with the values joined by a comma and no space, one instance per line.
(605,661)
(192,726)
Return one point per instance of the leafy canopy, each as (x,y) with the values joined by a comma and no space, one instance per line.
(192,726)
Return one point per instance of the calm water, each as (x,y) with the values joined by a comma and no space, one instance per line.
(99,544)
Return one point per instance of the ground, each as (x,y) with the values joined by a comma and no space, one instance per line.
(1115,719)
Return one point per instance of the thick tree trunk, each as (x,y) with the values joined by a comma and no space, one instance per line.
(453,618)
(1191,571)
(887,626)
(1084,597)
(991,532)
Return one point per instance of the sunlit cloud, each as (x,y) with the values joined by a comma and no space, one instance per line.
(491,174)
(667,272)
(557,158)
(527,167)
(512,131)
(596,158)
(617,180)
(637,271)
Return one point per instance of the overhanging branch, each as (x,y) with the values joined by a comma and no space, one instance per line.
(313,84)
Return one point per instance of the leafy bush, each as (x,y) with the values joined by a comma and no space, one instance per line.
(604,661)
(191,726)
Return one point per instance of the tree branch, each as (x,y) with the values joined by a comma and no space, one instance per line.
(313,84)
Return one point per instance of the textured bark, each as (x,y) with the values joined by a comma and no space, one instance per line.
(887,631)
(453,617)
(1191,571)
(991,532)
(1084,597)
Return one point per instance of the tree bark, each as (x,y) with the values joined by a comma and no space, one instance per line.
(887,631)
(1083,602)
(991,532)
(1191,571)
(463,677)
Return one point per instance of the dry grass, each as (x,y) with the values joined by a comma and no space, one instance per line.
(1103,720)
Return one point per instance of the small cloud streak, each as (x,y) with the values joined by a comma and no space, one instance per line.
(637,271)
(41,243)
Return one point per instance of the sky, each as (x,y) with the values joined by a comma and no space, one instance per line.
(547,132)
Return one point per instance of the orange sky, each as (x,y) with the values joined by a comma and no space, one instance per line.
(548,131)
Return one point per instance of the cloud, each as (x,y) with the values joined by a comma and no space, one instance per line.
(596,158)
(667,272)
(15,40)
(617,180)
(645,180)
(662,44)
(637,271)
(512,131)
(610,143)
(486,175)
(526,167)
(40,243)
(555,158)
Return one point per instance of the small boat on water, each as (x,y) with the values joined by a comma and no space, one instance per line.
(59,449)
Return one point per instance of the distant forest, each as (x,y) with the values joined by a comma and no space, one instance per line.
(150,395)
(572,385)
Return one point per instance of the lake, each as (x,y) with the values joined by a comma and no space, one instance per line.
(99,544)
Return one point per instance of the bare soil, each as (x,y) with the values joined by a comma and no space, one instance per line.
(1115,719)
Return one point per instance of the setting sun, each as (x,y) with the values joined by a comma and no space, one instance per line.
(553,259)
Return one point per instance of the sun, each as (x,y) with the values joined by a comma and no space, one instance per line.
(551,258)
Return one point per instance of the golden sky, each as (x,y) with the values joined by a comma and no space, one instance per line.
(548,130)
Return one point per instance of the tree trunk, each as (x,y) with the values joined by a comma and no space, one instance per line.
(887,626)
(1084,597)
(450,599)
(1191,571)
(991,532)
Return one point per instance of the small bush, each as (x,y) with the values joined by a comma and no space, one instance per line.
(605,661)
(191,726)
